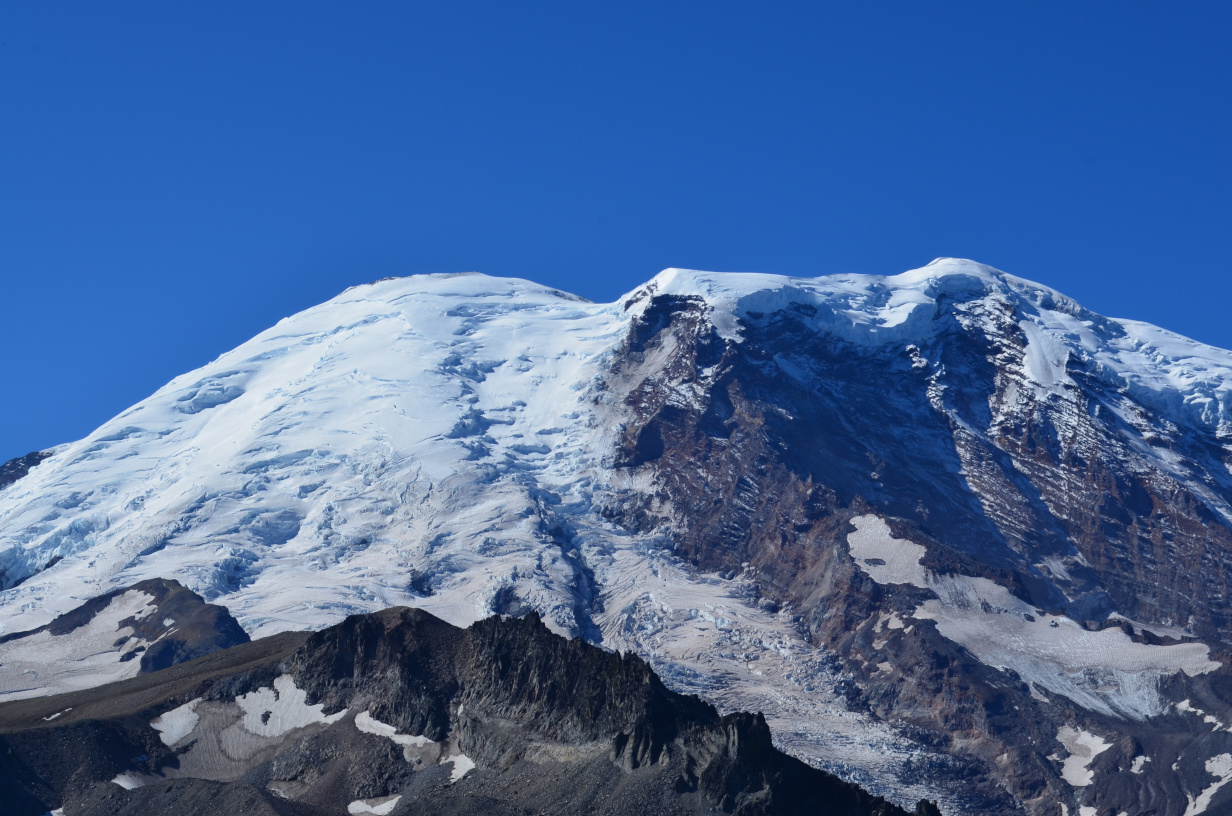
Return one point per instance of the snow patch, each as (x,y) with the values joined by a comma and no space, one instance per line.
(1219,766)
(272,712)
(368,725)
(379,807)
(1139,762)
(462,765)
(1209,719)
(132,781)
(174,725)
(1083,747)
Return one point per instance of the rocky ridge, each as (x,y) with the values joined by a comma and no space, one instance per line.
(399,712)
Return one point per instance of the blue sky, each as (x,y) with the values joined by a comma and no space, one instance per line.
(175,177)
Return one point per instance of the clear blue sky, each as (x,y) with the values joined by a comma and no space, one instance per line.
(175,177)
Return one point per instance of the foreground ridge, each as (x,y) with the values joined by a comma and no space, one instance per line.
(399,712)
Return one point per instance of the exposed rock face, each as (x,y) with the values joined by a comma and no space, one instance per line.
(14,469)
(399,712)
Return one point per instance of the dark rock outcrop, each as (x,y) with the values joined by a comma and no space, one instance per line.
(14,469)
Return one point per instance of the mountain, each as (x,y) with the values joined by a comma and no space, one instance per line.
(956,536)
(399,712)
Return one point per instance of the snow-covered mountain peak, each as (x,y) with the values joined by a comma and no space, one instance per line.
(431,378)
(862,309)
(330,443)
(676,473)
(439,373)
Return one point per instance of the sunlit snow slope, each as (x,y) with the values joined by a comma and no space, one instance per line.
(475,445)
(410,427)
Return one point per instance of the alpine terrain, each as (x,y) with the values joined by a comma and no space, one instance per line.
(956,537)
(398,712)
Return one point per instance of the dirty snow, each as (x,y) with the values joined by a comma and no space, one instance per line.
(379,807)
